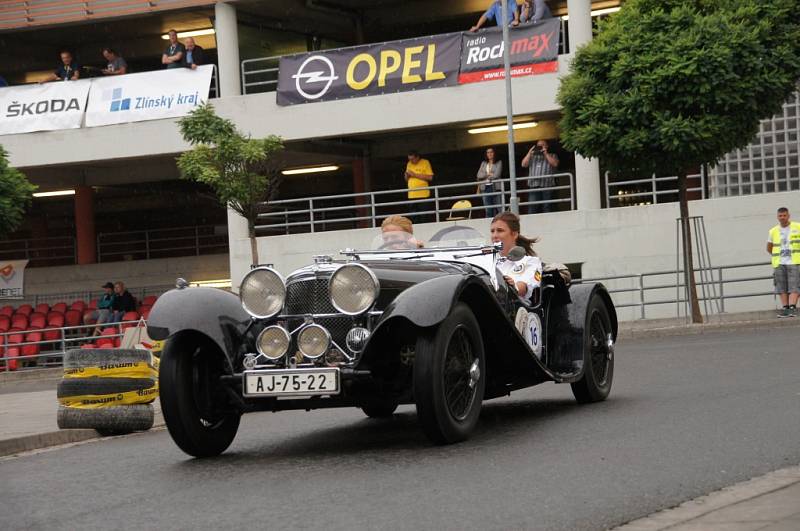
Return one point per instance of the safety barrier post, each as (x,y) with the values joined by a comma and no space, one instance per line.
(311,214)
(372,208)
(721,292)
(436,201)
(641,294)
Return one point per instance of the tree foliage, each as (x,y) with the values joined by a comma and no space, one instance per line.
(243,172)
(15,195)
(668,85)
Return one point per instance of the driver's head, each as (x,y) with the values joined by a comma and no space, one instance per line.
(397,224)
(397,232)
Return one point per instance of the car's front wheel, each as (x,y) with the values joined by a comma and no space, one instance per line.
(450,377)
(598,355)
(195,405)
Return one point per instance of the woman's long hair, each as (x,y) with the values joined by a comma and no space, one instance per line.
(512,220)
(486,157)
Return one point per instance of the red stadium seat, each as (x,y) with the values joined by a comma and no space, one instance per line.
(7,310)
(15,336)
(32,350)
(25,309)
(93,304)
(19,320)
(5,323)
(78,305)
(12,352)
(72,318)
(149,300)
(43,307)
(106,338)
(131,316)
(54,320)
(59,307)
(37,320)
(88,345)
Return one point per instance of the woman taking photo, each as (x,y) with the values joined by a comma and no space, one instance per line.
(490,171)
(524,274)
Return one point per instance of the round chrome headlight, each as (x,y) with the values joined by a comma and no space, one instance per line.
(273,342)
(313,341)
(263,292)
(353,289)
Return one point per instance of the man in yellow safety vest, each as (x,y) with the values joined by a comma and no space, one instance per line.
(784,247)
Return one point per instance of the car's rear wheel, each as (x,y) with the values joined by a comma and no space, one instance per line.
(450,377)
(195,405)
(598,355)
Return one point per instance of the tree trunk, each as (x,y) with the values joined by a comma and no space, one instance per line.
(253,243)
(688,257)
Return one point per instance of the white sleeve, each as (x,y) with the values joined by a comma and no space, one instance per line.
(531,275)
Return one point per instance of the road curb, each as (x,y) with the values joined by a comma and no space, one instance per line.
(636,332)
(715,501)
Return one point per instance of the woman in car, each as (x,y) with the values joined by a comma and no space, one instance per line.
(398,233)
(524,274)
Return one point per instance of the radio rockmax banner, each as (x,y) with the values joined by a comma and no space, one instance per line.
(369,70)
(534,50)
(45,107)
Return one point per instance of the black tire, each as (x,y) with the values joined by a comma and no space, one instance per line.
(380,409)
(598,355)
(69,387)
(445,360)
(95,357)
(117,420)
(196,407)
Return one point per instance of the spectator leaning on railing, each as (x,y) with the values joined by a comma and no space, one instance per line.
(116,64)
(68,70)
(491,170)
(175,53)
(784,247)
(533,11)
(195,55)
(495,12)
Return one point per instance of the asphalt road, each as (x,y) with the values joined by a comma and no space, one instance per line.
(687,415)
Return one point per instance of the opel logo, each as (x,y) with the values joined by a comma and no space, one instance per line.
(324,74)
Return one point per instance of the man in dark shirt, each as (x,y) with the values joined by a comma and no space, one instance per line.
(68,70)
(175,53)
(124,302)
(195,55)
(116,64)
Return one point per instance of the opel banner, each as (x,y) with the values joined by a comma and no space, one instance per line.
(12,278)
(534,50)
(147,96)
(369,70)
(43,107)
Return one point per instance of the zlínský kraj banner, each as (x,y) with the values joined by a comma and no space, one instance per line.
(12,278)
(534,50)
(43,107)
(147,96)
(369,70)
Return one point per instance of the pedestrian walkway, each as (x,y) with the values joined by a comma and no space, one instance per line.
(767,503)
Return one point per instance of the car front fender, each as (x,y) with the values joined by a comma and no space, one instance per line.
(212,312)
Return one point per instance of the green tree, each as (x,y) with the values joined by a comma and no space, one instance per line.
(15,195)
(243,172)
(668,85)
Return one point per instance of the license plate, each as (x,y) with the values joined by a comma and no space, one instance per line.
(291,382)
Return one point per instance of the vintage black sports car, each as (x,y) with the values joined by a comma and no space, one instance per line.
(435,327)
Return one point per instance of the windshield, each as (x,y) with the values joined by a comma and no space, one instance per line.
(454,236)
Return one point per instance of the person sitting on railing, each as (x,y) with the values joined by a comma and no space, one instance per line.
(418,176)
(490,171)
(533,11)
(123,302)
(175,53)
(117,66)
(541,163)
(68,70)
(195,55)
(524,274)
(495,13)
(102,314)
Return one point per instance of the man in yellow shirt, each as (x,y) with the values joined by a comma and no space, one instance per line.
(418,175)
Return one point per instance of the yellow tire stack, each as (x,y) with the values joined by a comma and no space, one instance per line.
(109,390)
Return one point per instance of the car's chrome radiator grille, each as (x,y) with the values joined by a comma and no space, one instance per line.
(311,297)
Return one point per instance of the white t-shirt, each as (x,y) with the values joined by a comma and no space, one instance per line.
(786,248)
(527,270)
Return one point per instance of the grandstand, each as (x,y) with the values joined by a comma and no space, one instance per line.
(114,206)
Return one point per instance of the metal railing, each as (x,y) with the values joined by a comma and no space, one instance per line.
(161,243)
(51,351)
(40,251)
(260,74)
(213,91)
(368,209)
(667,287)
(649,191)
